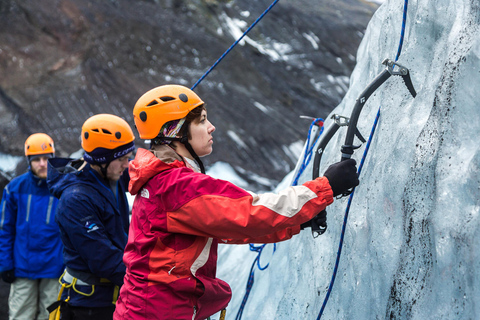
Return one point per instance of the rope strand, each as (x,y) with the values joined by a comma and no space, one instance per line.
(309,148)
(251,277)
(252,247)
(347,210)
(234,44)
(339,252)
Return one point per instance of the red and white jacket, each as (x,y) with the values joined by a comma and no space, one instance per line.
(178,218)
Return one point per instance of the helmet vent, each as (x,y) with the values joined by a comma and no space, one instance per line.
(183,97)
(154,102)
(95,130)
(165,99)
(106,131)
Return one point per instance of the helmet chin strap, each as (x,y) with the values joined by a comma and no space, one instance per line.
(184,141)
(104,170)
(187,144)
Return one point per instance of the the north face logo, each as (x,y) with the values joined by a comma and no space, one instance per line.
(145,193)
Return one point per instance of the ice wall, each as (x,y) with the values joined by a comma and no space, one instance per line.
(412,243)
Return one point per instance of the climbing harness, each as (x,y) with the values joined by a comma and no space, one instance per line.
(59,306)
(347,148)
(251,277)
(67,281)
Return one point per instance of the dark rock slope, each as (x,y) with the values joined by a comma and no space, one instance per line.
(63,61)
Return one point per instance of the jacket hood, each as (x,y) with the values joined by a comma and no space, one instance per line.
(65,172)
(148,164)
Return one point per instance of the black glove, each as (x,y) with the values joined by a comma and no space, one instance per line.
(305,225)
(342,176)
(8,276)
(319,219)
(317,223)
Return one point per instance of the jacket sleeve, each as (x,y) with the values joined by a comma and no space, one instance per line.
(281,235)
(219,209)
(7,229)
(80,219)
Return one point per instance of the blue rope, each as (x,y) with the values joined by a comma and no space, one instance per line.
(251,279)
(402,36)
(306,159)
(309,148)
(402,33)
(234,44)
(337,261)
(252,247)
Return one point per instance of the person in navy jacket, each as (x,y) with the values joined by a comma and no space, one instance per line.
(93,215)
(30,244)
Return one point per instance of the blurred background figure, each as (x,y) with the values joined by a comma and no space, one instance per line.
(30,244)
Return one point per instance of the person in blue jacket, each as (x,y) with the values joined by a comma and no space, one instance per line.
(93,215)
(30,245)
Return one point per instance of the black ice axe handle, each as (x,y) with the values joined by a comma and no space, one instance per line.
(340,121)
(392,68)
(319,223)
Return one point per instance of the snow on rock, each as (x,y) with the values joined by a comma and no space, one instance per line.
(234,136)
(412,243)
(8,163)
(222,170)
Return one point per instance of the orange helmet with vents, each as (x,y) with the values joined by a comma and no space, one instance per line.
(161,105)
(106,137)
(39,143)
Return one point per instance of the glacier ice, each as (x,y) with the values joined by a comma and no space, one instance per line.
(412,242)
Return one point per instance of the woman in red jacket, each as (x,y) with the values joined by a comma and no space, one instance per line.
(180,214)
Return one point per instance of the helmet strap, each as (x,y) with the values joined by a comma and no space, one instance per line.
(187,144)
(184,141)
(194,155)
(104,170)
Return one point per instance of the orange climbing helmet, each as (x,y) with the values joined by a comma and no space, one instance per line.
(39,144)
(106,137)
(161,105)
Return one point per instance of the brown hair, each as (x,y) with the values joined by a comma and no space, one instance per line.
(193,116)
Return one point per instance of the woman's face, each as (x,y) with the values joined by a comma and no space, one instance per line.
(201,132)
